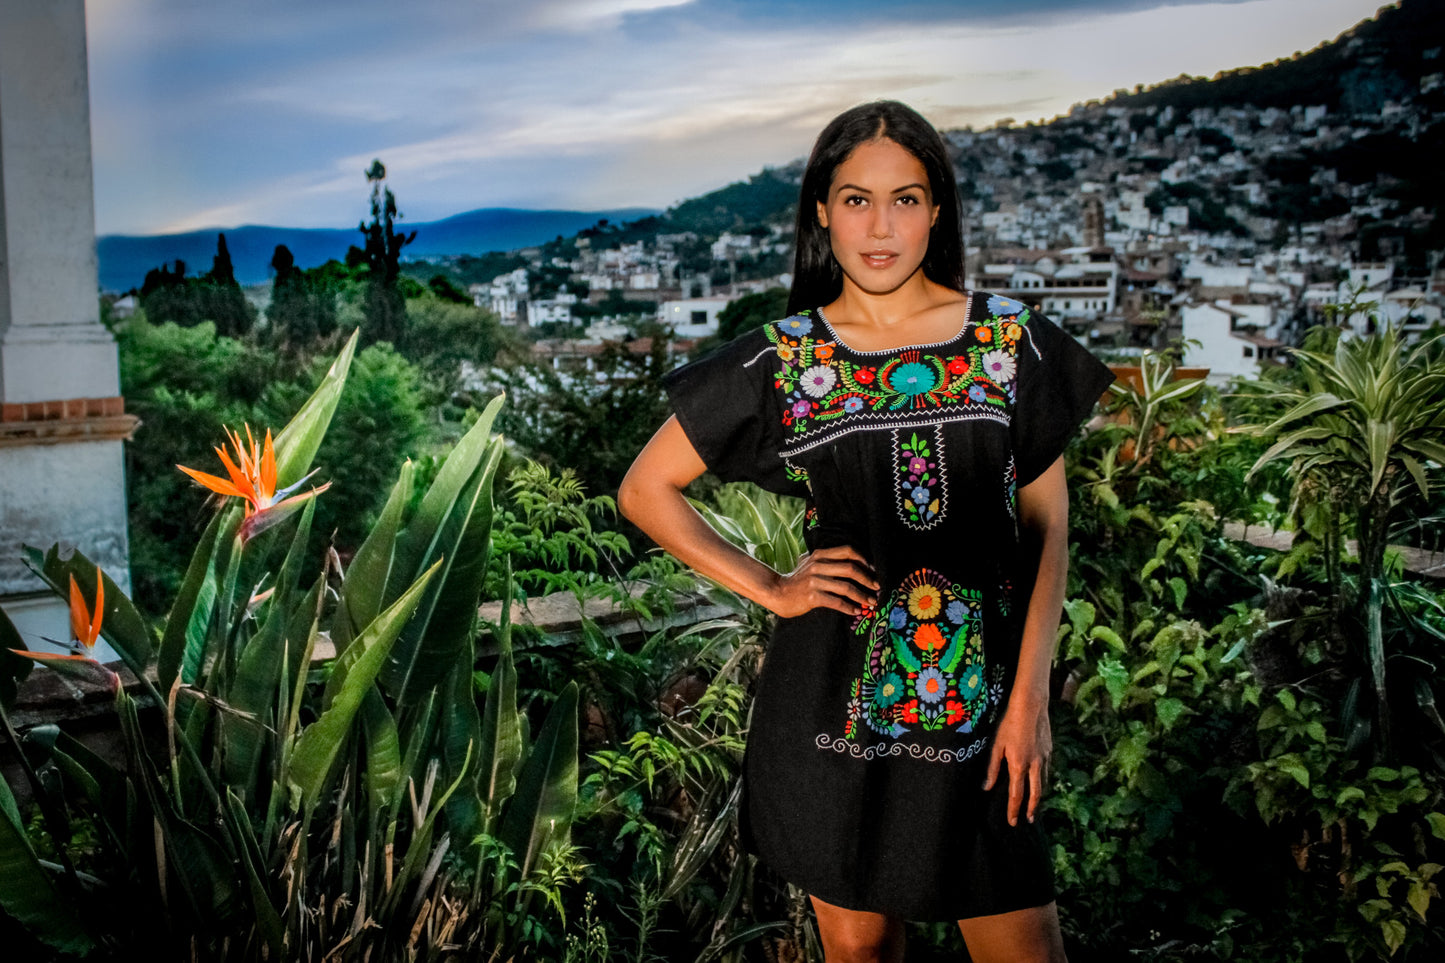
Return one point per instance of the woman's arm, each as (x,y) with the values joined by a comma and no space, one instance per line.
(651,496)
(1023,740)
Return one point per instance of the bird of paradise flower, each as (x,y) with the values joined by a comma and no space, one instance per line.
(85,623)
(254,481)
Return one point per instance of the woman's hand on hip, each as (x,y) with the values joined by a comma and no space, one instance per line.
(830,578)
(1024,743)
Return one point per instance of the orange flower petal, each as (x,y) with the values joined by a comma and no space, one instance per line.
(268,468)
(218,485)
(79,617)
(94,632)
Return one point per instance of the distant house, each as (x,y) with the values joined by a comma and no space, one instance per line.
(1233,339)
(692,317)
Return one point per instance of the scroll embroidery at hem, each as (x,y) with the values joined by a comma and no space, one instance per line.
(920,485)
(925,663)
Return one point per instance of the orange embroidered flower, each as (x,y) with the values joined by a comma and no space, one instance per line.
(928,638)
(984,334)
(925,601)
(84,627)
(823,352)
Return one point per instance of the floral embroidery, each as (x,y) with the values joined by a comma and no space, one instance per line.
(919,482)
(925,666)
(824,389)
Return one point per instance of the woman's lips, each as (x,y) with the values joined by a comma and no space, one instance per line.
(880,259)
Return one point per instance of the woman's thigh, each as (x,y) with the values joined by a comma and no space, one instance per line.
(853,936)
(1022,936)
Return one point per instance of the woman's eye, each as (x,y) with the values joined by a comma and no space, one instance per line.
(907,199)
(854,200)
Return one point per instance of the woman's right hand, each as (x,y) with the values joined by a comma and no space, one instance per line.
(830,578)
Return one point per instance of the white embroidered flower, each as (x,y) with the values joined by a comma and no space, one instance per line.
(999,367)
(818,380)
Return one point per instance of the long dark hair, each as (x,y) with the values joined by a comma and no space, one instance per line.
(817,279)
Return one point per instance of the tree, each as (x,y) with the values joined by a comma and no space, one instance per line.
(384,305)
(221,297)
(303,303)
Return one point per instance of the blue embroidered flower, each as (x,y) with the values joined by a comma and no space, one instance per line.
(796,325)
(976,393)
(897,618)
(956,612)
(889,691)
(852,404)
(971,683)
(1004,306)
(913,378)
(920,495)
(930,685)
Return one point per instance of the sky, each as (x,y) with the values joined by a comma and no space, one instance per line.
(209,114)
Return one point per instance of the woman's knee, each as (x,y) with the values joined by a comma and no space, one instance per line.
(852,936)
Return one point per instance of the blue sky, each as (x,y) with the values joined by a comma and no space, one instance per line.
(211,114)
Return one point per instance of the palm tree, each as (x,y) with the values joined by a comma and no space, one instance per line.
(1362,428)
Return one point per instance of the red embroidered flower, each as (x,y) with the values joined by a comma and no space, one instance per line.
(864,376)
(910,711)
(956,712)
(957,365)
(928,638)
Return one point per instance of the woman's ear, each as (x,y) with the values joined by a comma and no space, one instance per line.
(823,215)
(935,217)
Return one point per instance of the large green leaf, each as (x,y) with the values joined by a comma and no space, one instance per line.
(184,638)
(121,624)
(14,669)
(384,774)
(539,815)
(430,645)
(298,442)
(461,737)
(501,741)
(365,583)
(27,892)
(318,744)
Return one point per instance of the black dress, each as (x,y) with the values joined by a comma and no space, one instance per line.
(870,737)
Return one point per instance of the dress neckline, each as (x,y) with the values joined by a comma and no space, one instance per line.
(963,329)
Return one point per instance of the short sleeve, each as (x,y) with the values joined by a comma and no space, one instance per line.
(1059,382)
(727,405)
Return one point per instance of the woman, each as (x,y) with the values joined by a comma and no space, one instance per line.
(900,733)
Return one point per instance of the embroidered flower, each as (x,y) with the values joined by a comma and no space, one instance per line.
(852,404)
(1013,331)
(1000,305)
(802,407)
(976,392)
(983,333)
(897,618)
(917,466)
(928,638)
(913,378)
(785,353)
(999,367)
(796,325)
(956,711)
(920,495)
(889,691)
(956,612)
(864,376)
(925,601)
(971,683)
(910,711)
(823,352)
(958,365)
(818,380)
(855,708)
(930,685)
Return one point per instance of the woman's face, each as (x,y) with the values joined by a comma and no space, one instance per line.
(878,215)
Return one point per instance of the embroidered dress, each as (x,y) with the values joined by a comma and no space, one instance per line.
(870,736)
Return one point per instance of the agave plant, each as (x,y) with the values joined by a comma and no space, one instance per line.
(1364,434)
(284,806)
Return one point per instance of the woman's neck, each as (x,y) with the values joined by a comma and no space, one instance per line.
(919,311)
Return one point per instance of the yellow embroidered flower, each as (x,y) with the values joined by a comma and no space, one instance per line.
(1013,332)
(785,353)
(925,601)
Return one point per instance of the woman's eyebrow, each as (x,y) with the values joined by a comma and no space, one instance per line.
(896,190)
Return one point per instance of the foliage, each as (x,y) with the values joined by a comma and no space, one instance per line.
(385,305)
(169,296)
(303,304)
(370,812)
(442,334)
(751,311)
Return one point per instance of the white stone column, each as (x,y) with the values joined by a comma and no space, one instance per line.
(62,420)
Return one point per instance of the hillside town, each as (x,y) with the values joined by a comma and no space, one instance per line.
(1229,230)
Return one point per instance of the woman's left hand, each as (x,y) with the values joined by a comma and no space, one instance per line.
(1023,742)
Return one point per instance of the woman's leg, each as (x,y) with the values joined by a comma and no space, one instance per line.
(1023,936)
(853,936)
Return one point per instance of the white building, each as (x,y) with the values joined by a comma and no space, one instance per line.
(1233,339)
(692,317)
(506,296)
(552,310)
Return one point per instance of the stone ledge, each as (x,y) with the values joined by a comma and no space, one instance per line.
(59,431)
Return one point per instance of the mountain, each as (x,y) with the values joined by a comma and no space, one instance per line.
(1380,59)
(124,260)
